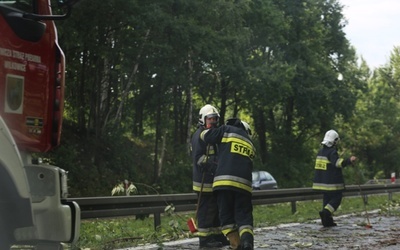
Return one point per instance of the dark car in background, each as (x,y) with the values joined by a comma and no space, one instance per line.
(263,180)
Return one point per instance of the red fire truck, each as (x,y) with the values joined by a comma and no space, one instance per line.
(33,206)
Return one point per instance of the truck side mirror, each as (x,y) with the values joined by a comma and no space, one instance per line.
(67,2)
(65,5)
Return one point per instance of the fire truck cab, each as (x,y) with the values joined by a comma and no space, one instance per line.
(33,205)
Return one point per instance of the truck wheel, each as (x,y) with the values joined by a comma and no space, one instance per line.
(5,242)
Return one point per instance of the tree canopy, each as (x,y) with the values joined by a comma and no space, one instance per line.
(139,71)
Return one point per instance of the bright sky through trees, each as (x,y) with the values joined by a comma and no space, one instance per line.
(373,28)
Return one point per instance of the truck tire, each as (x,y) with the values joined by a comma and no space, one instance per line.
(5,242)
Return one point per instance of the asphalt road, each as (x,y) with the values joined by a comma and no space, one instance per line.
(350,233)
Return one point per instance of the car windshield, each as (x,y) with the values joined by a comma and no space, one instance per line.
(255,176)
(265,176)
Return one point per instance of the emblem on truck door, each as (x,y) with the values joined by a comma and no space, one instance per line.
(14,94)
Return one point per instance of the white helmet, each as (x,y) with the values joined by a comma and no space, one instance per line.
(331,138)
(246,127)
(207,111)
(240,124)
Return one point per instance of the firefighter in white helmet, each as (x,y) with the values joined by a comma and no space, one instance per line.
(329,177)
(204,164)
(233,179)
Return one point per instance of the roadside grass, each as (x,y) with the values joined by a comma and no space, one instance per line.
(114,233)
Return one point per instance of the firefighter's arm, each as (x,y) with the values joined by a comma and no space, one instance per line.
(212,135)
(349,161)
(341,162)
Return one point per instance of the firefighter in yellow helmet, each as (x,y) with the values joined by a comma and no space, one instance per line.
(328,176)
(204,164)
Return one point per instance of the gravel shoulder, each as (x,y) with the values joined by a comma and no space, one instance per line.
(350,233)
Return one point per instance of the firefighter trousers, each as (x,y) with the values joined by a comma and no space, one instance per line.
(235,211)
(207,216)
(332,200)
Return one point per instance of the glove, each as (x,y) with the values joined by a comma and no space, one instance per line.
(208,167)
(205,167)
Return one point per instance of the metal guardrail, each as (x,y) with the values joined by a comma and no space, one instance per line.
(114,206)
(383,181)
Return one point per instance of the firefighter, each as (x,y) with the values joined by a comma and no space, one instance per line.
(204,164)
(328,176)
(232,181)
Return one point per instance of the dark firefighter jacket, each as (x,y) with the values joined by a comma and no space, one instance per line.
(328,170)
(199,155)
(235,157)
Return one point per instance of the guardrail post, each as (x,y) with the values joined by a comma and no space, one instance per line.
(294,209)
(390,196)
(365,199)
(157,221)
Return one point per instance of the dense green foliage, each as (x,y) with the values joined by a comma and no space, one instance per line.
(139,71)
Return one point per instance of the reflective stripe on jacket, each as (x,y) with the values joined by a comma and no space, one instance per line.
(235,157)
(328,170)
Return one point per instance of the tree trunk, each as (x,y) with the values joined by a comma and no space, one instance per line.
(162,154)
(190,101)
(259,126)
(81,93)
(125,92)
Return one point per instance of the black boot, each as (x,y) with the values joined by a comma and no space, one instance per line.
(330,222)
(323,218)
(247,241)
(209,242)
(246,245)
(326,218)
(222,238)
